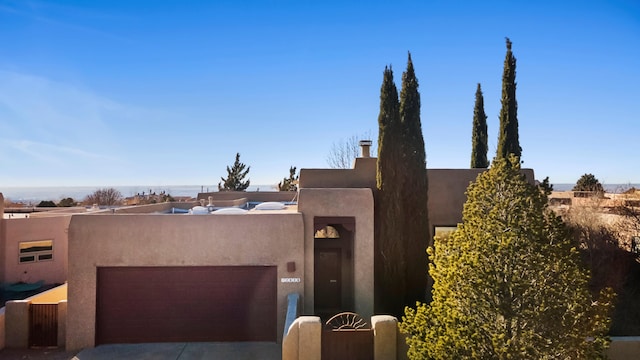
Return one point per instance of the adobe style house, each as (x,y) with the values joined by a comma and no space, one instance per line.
(153,274)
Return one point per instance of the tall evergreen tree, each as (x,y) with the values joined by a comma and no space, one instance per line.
(508,141)
(413,192)
(389,252)
(235,175)
(479,137)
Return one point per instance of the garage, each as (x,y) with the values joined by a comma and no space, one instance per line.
(186,304)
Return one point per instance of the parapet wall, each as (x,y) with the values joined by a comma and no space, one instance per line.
(259,196)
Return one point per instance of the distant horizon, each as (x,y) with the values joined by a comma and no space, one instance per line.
(56,193)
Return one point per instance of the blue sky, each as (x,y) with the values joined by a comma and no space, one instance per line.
(107,93)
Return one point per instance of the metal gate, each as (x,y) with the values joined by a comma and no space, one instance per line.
(347,336)
(43,325)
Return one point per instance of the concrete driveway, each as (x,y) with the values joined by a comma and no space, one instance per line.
(184,351)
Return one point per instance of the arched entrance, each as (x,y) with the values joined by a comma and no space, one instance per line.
(333,265)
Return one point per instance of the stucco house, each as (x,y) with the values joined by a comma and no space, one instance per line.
(154,274)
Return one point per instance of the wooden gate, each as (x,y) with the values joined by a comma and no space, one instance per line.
(43,325)
(347,336)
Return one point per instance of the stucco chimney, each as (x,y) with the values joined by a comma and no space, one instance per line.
(366,147)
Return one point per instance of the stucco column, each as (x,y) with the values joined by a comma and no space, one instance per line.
(309,338)
(62,323)
(17,324)
(385,330)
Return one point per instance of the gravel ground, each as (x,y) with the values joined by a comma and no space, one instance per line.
(36,354)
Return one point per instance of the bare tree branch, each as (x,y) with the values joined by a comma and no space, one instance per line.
(343,152)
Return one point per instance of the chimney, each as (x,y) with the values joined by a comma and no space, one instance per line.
(366,147)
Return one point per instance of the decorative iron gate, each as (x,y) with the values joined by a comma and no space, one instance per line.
(43,325)
(347,336)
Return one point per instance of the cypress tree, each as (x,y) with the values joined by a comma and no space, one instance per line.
(413,192)
(479,142)
(389,252)
(508,142)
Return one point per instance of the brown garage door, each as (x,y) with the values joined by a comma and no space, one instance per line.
(186,304)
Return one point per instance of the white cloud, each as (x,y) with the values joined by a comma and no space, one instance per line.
(61,129)
(53,154)
(45,110)
(77,19)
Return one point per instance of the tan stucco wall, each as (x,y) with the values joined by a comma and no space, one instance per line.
(447,196)
(363,175)
(17,324)
(446,186)
(356,203)
(17,230)
(303,339)
(176,240)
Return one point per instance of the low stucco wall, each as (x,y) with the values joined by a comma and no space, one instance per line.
(174,240)
(357,203)
(303,339)
(29,229)
(14,320)
(17,324)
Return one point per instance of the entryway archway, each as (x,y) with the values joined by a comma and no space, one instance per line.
(333,265)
